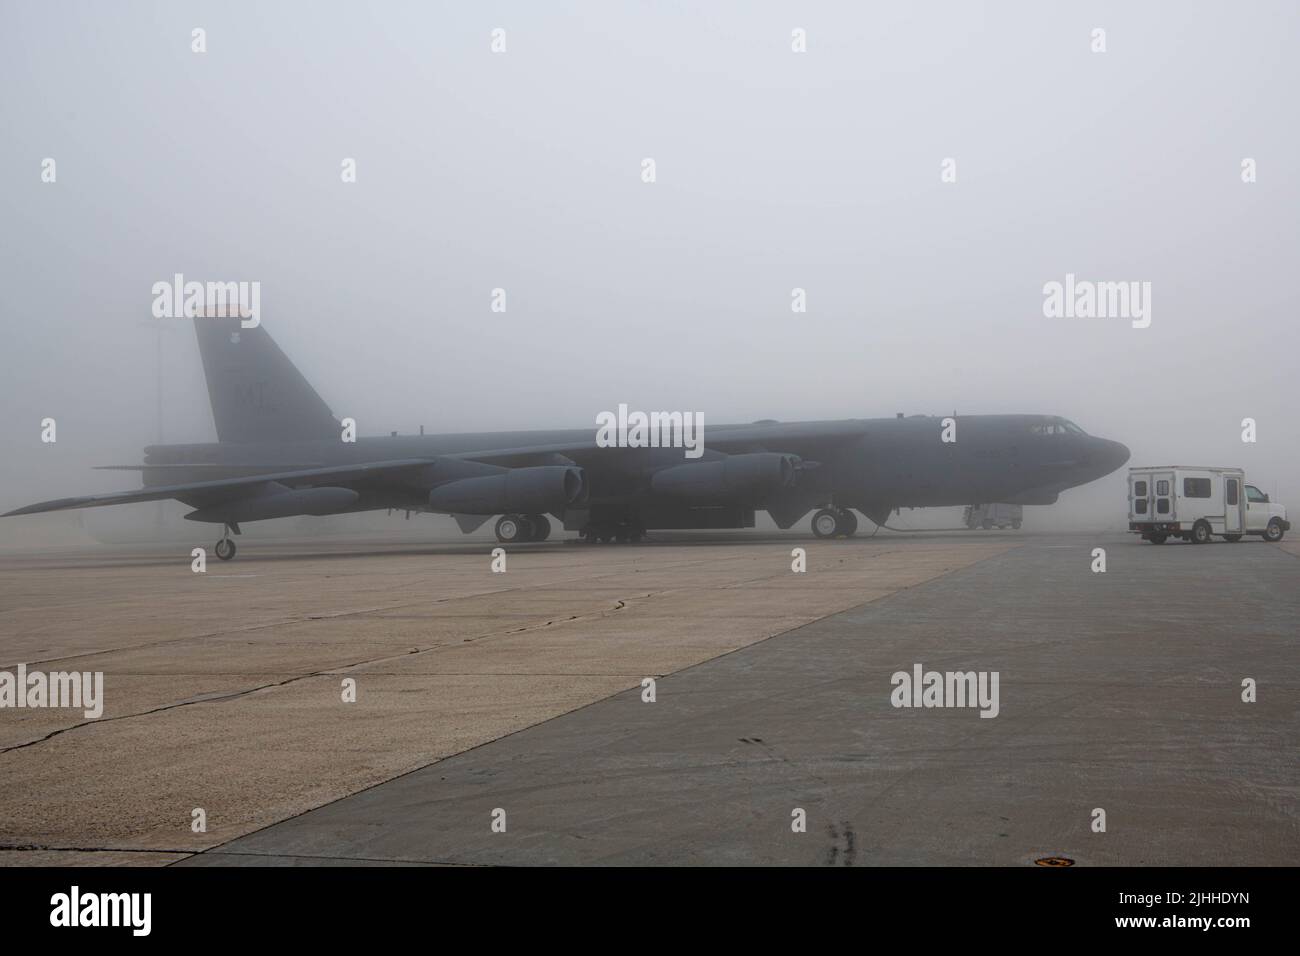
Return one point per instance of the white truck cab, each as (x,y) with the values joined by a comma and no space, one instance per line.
(1264,517)
(1194,503)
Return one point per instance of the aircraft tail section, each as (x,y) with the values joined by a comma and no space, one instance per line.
(256,392)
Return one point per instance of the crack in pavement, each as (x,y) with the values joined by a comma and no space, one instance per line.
(323,672)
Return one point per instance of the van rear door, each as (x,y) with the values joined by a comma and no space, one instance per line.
(1140,507)
(1162,496)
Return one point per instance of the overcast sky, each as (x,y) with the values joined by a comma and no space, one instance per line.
(775,170)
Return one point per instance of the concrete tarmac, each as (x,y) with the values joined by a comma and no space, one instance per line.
(1119,691)
(523,693)
(224,690)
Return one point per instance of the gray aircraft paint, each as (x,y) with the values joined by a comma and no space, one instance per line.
(872,465)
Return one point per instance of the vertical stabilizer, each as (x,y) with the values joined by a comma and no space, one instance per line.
(256,392)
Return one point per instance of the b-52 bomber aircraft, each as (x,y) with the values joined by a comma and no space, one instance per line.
(280,452)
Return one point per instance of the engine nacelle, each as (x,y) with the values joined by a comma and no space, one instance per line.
(546,488)
(278,501)
(735,474)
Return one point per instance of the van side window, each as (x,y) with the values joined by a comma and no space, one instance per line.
(1254,494)
(1162,487)
(1230,491)
(1196,487)
(1139,489)
(1162,506)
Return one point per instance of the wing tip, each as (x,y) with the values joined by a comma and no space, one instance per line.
(39,508)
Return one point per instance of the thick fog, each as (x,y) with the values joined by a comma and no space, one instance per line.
(775,170)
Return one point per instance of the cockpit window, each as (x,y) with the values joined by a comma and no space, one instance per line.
(1059,427)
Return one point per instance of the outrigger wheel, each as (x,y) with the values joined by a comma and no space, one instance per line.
(225,547)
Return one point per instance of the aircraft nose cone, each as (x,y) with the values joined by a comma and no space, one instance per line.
(1112,455)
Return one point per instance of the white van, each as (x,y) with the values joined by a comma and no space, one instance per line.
(1194,503)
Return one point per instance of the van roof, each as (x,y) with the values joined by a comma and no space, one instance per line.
(1183,468)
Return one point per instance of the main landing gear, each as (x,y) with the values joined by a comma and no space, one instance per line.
(834,523)
(516,529)
(604,534)
(225,547)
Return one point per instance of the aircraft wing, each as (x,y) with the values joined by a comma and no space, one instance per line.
(807,439)
(223,489)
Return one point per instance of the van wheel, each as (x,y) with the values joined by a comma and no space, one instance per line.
(1200,533)
(1233,538)
(1157,538)
(1274,531)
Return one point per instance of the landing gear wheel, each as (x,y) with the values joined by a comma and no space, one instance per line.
(1157,538)
(512,529)
(850,525)
(541,527)
(827,523)
(1273,533)
(623,533)
(225,549)
(1201,533)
